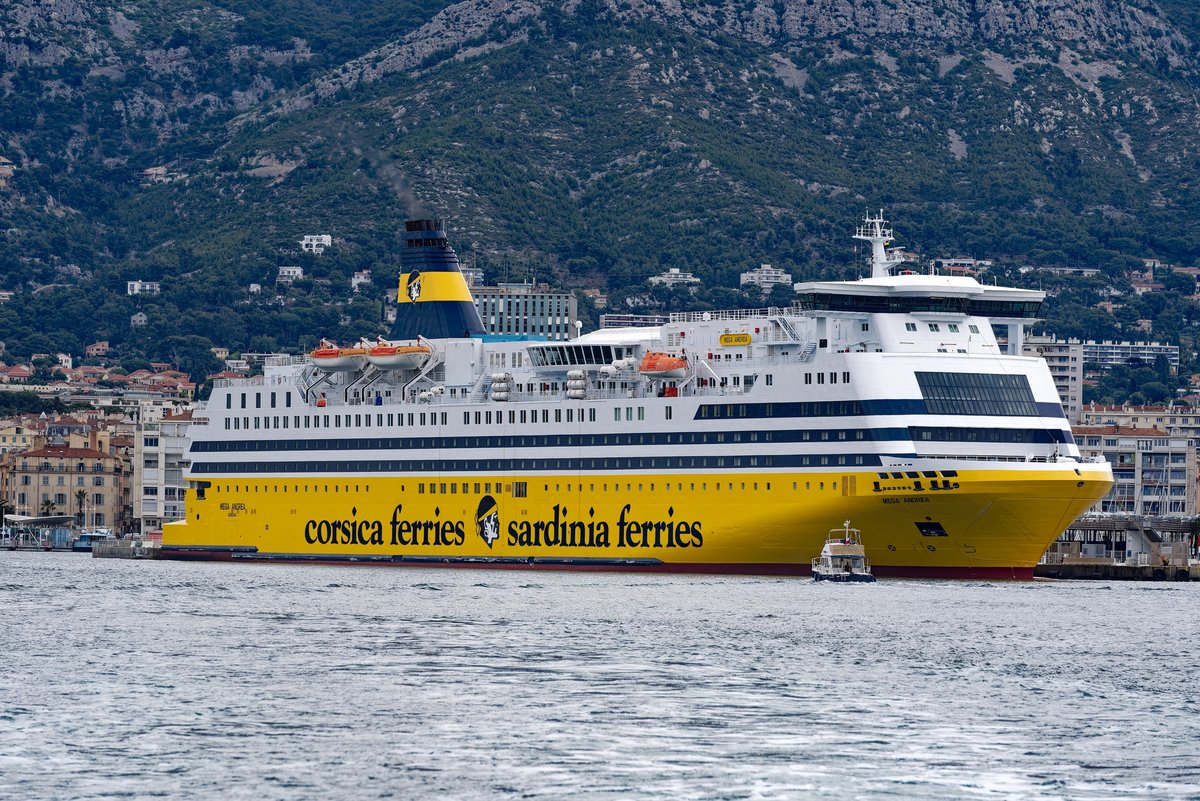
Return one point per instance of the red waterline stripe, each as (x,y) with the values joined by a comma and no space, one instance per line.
(697,568)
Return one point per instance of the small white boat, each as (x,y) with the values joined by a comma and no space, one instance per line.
(89,537)
(843,557)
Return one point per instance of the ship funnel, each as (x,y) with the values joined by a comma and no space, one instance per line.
(433,300)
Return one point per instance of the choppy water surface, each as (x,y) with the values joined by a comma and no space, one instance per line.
(140,679)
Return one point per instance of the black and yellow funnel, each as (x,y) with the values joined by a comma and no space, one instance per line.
(434,300)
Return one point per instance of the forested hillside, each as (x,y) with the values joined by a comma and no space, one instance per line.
(591,144)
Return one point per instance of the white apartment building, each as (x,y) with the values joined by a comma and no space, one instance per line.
(316,243)
(673,278)
(1155,472)
(765,277)
(519,308)
(289,274)
(160,459)
(1065,360)
(1111,353)
(142,288)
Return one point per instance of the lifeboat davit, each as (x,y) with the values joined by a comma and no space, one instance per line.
(390,356)
(332,359)
(663,365)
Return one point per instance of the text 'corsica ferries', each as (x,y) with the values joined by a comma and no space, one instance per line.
(722,442)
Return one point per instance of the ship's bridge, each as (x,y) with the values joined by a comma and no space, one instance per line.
(921,295)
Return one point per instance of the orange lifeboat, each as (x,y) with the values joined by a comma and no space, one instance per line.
(391,356)
(663,365)
(332,359)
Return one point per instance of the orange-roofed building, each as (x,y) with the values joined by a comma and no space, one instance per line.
(90,484)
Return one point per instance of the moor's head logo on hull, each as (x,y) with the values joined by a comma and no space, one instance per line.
(487,520)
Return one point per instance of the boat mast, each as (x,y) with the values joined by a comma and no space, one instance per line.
(877,231)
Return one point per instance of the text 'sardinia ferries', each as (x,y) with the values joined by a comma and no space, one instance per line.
(722,442)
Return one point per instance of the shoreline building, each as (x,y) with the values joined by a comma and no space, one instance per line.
(159,461)
(73,481)
(1176,420)
(1154,471)
(1065,359)
(527,309)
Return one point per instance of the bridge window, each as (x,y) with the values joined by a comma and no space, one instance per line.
(978,394)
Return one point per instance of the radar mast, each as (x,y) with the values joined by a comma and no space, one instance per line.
(878,232)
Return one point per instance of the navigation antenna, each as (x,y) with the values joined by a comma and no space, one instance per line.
(877,231)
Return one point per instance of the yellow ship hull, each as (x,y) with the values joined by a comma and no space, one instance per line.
(985,523)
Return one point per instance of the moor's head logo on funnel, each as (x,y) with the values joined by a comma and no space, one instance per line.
(412,287)
(487,520)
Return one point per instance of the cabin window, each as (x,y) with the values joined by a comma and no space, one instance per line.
(846,378)
(952,328)
(910,326)
(934,327)
(820,378)
(974,329)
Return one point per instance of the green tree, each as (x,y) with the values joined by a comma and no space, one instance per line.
(191,354)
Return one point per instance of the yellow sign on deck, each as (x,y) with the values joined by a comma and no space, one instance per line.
(732,340)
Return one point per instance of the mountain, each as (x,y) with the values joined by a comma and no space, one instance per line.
(588,143)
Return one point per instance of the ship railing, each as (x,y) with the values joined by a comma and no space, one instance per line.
(256,381)
(285,360)
(522,397)
(734,314)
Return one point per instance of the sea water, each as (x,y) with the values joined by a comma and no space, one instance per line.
(143,679)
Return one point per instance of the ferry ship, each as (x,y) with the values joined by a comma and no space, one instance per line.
(719,442)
